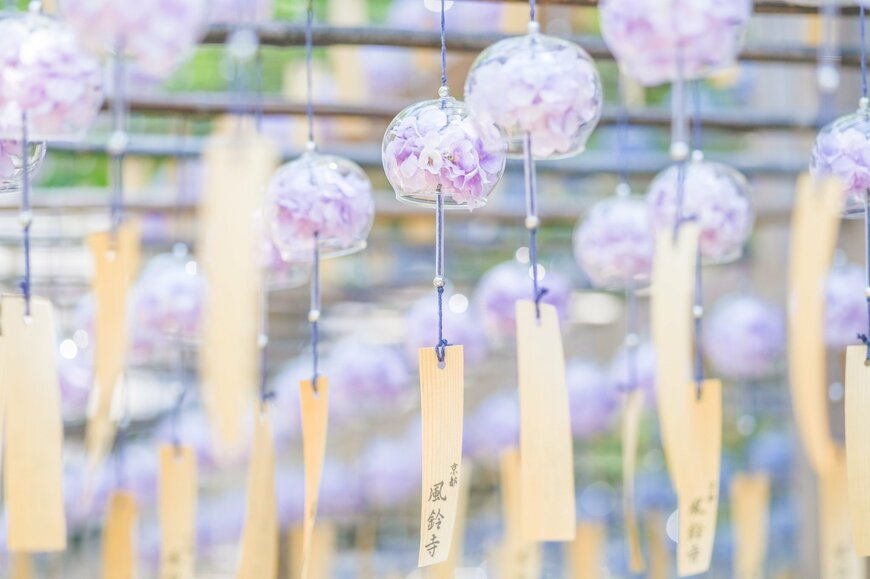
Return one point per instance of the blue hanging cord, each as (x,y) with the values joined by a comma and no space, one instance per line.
(864,107)
(533,9)
(697,124)
(118,140)
(314,312)
(532,223)
(309,80)
(26,216)
(438,281)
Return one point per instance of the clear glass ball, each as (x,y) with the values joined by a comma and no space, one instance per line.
(614,244)
(654,47)
(433,148)
(47,78)
(536,85)
(319,196)
(716,196)
(842,150)
(12,164)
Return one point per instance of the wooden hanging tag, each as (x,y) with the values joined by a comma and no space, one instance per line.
(237,171)
(698,455)
(815,223)
(33,427)
(321,556)
(657,543)
(442,392)
(838,557)
(857,405)
(116,262)
(673,292)
(586,553)
(517,558)
(22,566)
(315,422)
(119,552)
(632,412)
(447,569)
(750,507)
(177,491)
(259,558)
(546,443)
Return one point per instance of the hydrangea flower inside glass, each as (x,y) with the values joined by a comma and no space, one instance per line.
(320,197)
(842,150)
(647,39)
(46,77)
(614,244)
(538,87)
(432,148)
(715,196)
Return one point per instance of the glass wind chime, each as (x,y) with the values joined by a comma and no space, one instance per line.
(317,207)
(434,155)
(544,96)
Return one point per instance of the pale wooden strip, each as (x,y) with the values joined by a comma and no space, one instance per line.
(815,223)
(516,557)
(698,491)
(237,170)
(633,410)
(586,552)
(673,293)
(259,555)
(750,515)
(838,557)
(447,569)
(119,551)
(442,391)
(545,427)
(116,262)
(177,492)
(315,423)
(321,556)
(33,473)
(858,445)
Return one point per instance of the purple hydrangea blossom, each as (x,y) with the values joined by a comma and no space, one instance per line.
(647,39)
(744,337)
(240,11)
(167,303)
(323,195)
(48,77)
(433,146)
(387,482)
(373,375)
(715,196)
(465,329)
(842,150)
(502,286)
(845,306)
(619,372)
(493,427)
(540,86)
(158,34)
(614,244)
(593,404)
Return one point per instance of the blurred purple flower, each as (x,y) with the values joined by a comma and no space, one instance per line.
(594,406)
(465,329)
(493,427)
(744,337)
(845,306)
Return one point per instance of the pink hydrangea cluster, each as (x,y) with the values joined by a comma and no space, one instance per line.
(614,245)
(744,337)
(434,147)
(320,195)
(158,34)
(539,86)
(715,196)
(649,40)
(240,11)
(167,303)
(845,306)
(47,76)
(842,150)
